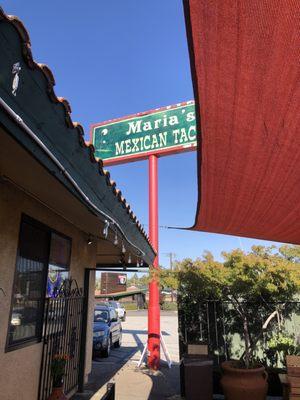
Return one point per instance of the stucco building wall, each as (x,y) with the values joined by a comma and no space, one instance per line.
(19,369)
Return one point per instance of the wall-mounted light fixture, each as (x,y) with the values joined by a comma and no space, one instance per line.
(116,241)
(105,229)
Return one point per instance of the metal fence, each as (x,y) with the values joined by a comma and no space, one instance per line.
(61,335)
(218,325)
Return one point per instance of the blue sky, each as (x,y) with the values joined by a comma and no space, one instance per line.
(112,58)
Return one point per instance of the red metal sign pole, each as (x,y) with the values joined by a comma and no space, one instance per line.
(153,307)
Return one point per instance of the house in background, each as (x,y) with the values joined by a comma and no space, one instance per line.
(113,283)
(59,216)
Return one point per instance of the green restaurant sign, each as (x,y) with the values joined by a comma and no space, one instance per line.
(162,131)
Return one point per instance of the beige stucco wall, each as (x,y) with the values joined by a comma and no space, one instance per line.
(19,369)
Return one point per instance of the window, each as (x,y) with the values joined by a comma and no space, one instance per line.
(113,315)
(100,316)
(38,246)
(29,283)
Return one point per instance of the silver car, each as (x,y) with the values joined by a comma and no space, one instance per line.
(119,309)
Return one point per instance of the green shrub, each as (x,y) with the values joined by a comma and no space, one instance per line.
(130,306)
(279,346)
(169,306)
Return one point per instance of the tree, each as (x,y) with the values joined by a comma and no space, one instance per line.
(137,281)
(259,277)
(168,279)
(98,284)
(291,253)
(247,280)
(134,280)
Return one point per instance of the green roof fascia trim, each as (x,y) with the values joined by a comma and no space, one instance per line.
(49,118)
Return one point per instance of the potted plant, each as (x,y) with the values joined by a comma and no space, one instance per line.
(252,282)
(280,345)
(58,365)
(253,289)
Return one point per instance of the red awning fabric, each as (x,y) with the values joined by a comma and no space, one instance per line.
(245,68)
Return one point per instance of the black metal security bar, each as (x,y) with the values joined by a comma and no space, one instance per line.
(61,336)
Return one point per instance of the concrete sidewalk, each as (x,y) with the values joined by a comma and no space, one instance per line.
(142,384)
(133,383)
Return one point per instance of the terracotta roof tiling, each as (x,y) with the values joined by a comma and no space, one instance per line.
(27,55)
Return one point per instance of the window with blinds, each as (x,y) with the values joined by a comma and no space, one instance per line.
(43,261)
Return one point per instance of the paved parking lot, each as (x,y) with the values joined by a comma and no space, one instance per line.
(134,338)
(135,331)
(133,341)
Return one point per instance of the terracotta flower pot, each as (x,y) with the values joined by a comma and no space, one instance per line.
(57,394)
(242,383)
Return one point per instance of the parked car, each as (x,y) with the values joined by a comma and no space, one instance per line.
(119,308)
(102,303)
(107,330)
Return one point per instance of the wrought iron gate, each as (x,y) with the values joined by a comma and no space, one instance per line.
(62,335)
